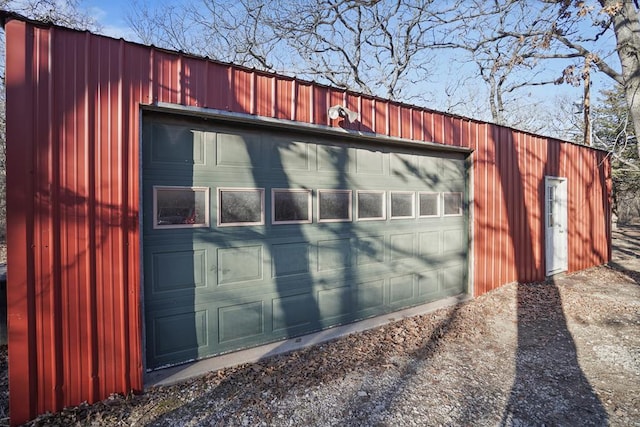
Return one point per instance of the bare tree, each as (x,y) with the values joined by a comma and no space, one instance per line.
(614,131)
(567,120)
(623,18)
(594,36)
(226,31)
(375,47)
(68,13)
(490,36)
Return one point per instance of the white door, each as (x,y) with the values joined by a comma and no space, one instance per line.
(555,196)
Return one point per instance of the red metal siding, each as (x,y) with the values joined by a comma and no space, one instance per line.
(74,295)
(367,115)
(73,113)
(352,102)
(381,117)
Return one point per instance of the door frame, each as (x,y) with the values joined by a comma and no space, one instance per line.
(560,219)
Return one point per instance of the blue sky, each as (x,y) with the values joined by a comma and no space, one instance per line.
(111,14)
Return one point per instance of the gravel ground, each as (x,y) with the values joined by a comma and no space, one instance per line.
(563,352)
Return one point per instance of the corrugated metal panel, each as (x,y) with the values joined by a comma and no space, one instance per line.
(73,221)
(73,118)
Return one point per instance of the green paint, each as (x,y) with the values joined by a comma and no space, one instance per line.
(219,289)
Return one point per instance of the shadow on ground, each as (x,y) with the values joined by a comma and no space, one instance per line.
(626,251)
(550,387)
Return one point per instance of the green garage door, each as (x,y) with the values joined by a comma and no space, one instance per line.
(253,235)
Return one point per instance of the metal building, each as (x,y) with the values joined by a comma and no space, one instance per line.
(164,208)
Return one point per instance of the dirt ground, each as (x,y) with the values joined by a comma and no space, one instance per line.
(562,352)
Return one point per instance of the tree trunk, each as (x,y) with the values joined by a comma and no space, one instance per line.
(627,30)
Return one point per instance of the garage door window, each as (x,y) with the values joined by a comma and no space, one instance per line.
(370,205)
(402,204)
(429,205)
(334,205)
(180,207)
(452,204)
(290,206)
(240,206)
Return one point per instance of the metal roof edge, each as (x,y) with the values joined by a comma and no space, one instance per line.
(230,116)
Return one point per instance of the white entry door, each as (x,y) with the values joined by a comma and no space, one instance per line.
(556,224)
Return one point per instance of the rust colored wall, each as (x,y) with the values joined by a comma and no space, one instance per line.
(73,114)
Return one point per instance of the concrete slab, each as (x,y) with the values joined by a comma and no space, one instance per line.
(180,373)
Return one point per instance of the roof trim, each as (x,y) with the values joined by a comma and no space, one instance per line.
(232,117)
(7,15)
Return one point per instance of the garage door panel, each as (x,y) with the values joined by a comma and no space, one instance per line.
(369,296)
(451,187)
(453,169)
(401,289)
(415,264)
(175,176)
(238,150)
(293,311)
(401,246)
(404,166)
(292,285)
(430,170)
(177,145)
(370,250)
(233,294)
(453,279)
(239,264)
(453,241)
(429,243)
(334,303)
(241,178)
(197,155)
(179,270)
(216,289)
(176,240)
(429,284)
(292,156)
(240,321)
(177,334)
(290,258)
(371,162)
(239,269)
(334,158)
(334,254)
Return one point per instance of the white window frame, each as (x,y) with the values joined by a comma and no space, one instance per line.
(239,189)
(413,204)
(461,203)
(205,190)
(291,190)
(384,205)
(349,209)
(438,209)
